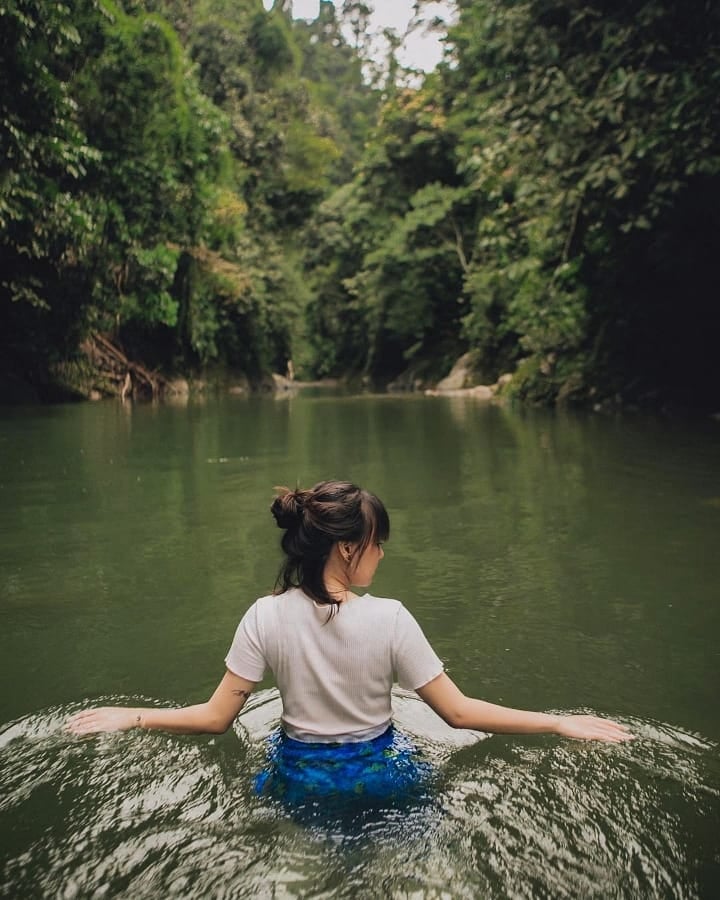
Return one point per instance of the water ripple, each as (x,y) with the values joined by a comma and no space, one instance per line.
(146,814)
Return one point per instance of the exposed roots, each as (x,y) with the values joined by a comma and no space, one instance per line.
(120,375)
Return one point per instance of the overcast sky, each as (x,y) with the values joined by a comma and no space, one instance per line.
(422,51)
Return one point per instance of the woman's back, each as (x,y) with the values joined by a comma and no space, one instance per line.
(334,669)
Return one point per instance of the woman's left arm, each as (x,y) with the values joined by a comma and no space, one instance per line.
(214,716)
(459,711)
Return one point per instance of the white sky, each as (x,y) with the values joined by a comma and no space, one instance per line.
(421,51)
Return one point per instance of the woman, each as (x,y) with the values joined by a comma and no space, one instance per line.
(334,656)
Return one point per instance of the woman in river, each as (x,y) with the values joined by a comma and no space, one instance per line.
(334,655)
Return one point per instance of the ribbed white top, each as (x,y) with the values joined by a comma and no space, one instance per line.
(334,674)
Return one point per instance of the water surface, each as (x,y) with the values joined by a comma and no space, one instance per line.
(555,562)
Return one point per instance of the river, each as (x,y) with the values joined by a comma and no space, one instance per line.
(555,561)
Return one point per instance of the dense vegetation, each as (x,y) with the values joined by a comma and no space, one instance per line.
(216,186)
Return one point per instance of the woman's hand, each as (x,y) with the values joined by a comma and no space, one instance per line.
(213,717)
(106,718)
(592,728)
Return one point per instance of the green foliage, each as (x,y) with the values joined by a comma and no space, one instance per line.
(40,144)
(587,144)
(544,198)
(309,158)
(345,104)
(46,227)
(239,315)
(151,274)
(145,188)
(215,184)
(401,230)
(272,44)
(155,132)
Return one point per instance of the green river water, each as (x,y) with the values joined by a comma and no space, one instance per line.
(556,562)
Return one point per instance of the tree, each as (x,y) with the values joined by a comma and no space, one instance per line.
(595,142)
(45,227)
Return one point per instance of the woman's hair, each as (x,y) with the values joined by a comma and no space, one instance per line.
(316,519)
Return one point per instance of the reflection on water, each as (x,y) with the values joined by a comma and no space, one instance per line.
(146,814)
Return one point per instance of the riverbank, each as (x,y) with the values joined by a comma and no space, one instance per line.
(101,370)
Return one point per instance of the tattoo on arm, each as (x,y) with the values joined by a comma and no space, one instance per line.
(239,693)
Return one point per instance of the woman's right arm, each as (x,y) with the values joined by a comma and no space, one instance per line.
(214,716)
(459,711)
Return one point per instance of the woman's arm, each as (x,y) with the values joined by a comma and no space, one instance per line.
(212,717)
(459,711)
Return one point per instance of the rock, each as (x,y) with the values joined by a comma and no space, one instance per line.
(409,380)
(281,383)
(459,375)
(479,392)
(504,380)
(238,384)
(94,395)
(178,386)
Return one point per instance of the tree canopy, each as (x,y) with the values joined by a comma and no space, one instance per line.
(547,199)
(211,184)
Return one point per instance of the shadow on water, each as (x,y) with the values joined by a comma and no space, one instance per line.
(150,814)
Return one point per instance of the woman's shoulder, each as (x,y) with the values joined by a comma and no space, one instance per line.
(295,603)
(381,605)
(264,606)
(275,600)
(372,598)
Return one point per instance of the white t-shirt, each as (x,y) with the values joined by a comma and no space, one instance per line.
(334,674)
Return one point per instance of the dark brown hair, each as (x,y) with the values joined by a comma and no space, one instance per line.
(316,519)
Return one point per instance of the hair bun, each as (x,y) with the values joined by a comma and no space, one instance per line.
(287,507)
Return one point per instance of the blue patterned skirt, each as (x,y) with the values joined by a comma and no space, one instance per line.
(387,768)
